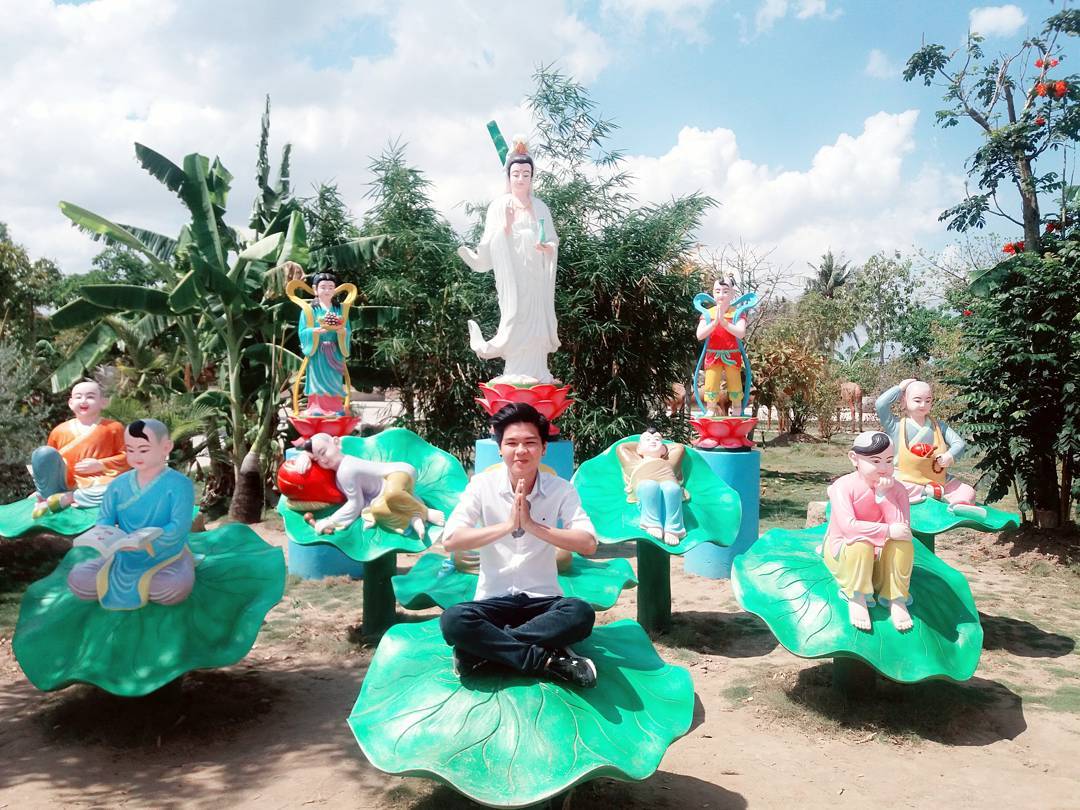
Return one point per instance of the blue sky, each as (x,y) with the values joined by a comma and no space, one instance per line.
(774,107)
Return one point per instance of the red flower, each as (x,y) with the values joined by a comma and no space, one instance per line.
(1019,246)
(1060,89)
(1040,89)
(1040,121)
(1053,63)
(1039,63)
(1052,226)
(968,313)
(1009,248)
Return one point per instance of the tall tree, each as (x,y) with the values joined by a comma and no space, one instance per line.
(832,274)
(882,290)
(1024,107)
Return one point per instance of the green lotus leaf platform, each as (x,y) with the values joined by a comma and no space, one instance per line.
(711,515)
(932,517)
(61,639)
(433,580)
(783,579)
(507,740)
(16,520)
(440,480)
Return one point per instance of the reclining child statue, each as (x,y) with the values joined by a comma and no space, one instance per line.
(378,492)
(652,472)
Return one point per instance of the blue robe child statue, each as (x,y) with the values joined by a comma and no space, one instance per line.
(142,530)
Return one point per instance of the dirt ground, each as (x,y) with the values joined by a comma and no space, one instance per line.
(769,731)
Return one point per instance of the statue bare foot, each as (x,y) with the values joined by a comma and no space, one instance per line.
(858,613)
(436,518)
(654,531)
(899,615)
(418,526)
(672,539)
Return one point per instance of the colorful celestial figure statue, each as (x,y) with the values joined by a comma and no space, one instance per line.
(868,546)
(142,529)
(925,448)
(722,329)
(82,456)
(652,471)
(324,333)
(521,246)
(378,492)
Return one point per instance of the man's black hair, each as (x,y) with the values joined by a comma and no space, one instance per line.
(519,412)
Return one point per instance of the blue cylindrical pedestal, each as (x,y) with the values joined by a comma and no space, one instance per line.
(558,458)
(322,560)
(742,472)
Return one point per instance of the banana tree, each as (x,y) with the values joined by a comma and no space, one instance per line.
(220,290)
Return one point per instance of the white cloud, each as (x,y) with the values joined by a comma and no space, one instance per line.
(82,83)
(996,21)
(771,12)
(878,66)
(685,16)
(854,197)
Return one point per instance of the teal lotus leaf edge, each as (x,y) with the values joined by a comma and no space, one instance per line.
(433,581)
(509,740)
(16,520)
(932,517)
(440,480)
(711,515)
(783,579)
(61,639)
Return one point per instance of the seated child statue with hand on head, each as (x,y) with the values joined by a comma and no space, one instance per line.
(142,530)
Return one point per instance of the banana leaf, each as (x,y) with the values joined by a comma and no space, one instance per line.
(510,740)
(295,248)
(129,297)
(356,254)
(95,224)
(204,225)
(92,349)
(61,639)
(440,480)
(433,580)
(783,579)
(161,168)
(77,313)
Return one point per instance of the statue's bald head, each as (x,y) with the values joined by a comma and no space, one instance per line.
(918,398)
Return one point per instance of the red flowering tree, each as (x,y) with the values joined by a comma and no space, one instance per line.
(1024,106)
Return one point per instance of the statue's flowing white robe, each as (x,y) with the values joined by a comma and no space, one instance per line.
(525,284)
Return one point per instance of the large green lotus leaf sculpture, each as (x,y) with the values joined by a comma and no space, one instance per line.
(16,520)
(440,480)
(508,740)
(61,639)
(434,580)
(711,515)
(932,517)
(783,579)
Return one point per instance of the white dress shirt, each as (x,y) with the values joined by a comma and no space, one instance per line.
(526,564)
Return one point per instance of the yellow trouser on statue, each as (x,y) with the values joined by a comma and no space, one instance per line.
(857,570)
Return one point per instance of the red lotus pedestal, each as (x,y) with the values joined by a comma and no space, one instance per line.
(550,400)
(308,426)
(723,432)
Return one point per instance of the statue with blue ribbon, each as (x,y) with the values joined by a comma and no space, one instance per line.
(722,327)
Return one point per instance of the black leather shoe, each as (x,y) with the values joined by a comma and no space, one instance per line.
(574,669)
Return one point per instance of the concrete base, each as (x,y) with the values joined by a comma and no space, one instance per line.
(322,560)
(558,458)
(742,472)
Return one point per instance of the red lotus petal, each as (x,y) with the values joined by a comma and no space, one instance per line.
(544,390)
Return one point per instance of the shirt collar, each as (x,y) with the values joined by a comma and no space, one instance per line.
(504,483)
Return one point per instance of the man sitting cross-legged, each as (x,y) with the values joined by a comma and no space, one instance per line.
(520,619)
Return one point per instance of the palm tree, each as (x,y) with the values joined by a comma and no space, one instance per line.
(832,274)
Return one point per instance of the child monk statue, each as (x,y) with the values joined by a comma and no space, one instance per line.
(82,456)
(925,447)
(868,545)
(653,476)
(723,359)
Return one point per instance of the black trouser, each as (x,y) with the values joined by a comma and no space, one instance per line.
(517,631)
